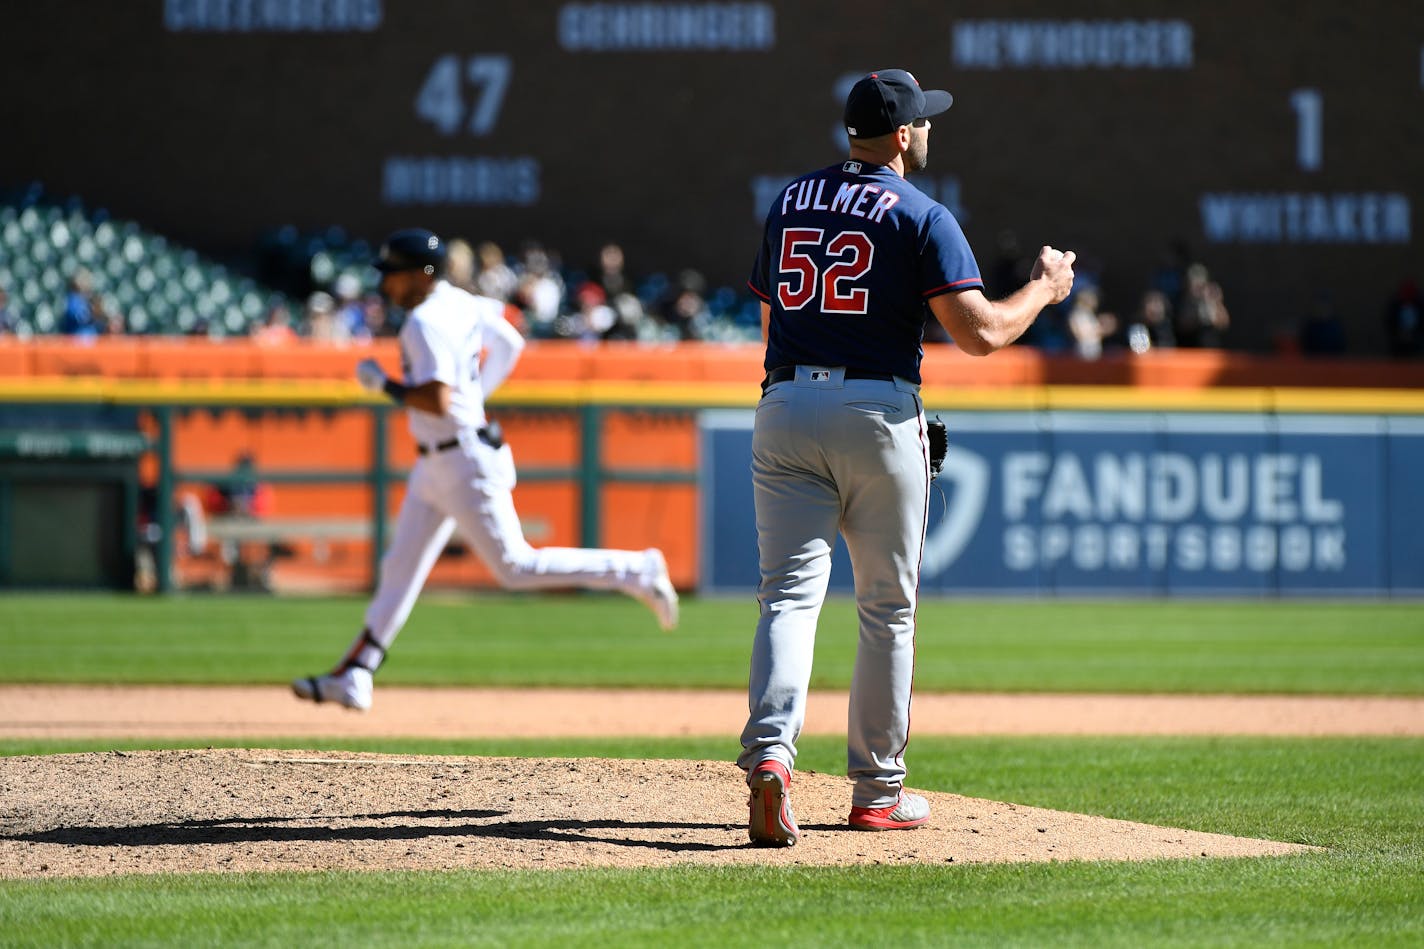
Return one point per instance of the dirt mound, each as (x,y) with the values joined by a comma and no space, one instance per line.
(241,810)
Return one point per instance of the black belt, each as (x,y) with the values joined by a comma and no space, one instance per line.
(788,373)
(446,445)
(490,434)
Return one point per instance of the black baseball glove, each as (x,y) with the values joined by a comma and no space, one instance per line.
(939,446)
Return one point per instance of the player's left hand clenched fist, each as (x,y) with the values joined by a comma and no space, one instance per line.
(370,374)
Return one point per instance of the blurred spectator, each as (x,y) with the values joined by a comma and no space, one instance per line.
(1086,325)
(276,326)
(379,321)
(79,318)
(686,311)
(494,278)
(610,273)
(110,320)
(689,314)
(592,317)
(631,320)
(540,292)
(189,522)
(1404,321)
(9,319)
(1151,326)
(460,264)
(1202,317)
(320,319)
(629,317)
(1322,332)
(350,312)
(244,497)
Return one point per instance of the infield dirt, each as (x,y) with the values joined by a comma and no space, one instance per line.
(254,712)
(233,810)
(252,809)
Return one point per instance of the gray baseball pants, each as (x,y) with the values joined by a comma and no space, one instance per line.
(832,454)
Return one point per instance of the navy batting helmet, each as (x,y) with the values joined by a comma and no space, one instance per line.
(411,249)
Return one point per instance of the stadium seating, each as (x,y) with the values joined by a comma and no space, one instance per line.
(160,288)
(157,287)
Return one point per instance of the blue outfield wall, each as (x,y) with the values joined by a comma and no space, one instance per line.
(1135,503)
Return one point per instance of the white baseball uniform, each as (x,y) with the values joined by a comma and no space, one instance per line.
(464,481)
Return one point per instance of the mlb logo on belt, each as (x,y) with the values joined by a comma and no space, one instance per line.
(820,375)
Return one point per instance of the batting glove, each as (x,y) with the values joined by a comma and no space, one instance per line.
(370,374)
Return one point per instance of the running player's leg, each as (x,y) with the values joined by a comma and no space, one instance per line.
(483,507)
(797,509)
(491,524)
(420,534)
(883,525)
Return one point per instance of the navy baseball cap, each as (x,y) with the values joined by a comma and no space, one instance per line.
(411,249)
(886,99)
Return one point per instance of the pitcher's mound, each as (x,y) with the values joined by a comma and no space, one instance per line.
(242,809)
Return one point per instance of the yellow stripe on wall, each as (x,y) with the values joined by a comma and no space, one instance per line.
(693,395)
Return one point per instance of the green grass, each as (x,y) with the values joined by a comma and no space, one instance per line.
(1358,798)
(1147,646)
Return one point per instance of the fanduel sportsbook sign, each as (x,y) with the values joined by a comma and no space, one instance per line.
(1137,503)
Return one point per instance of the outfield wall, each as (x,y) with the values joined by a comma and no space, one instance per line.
(1134,503)
(611,450)
(178,358)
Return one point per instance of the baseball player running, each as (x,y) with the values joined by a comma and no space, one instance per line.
(464,475)
(851,256)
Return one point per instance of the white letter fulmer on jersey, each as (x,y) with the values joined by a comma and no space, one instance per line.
(442,340)
(854,199)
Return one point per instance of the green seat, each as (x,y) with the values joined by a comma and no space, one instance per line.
(126,294)
(235,320)
(137,318)
(42,253)
(160,313)
(44,318)
(106,235)
(116,267)
(252,306)
(158,286)
(86,251)
(192,279)
(185,318)
(59,235)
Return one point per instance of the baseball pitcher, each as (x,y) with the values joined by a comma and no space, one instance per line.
(851,257)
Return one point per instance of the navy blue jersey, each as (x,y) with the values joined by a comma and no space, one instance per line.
(850,255)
